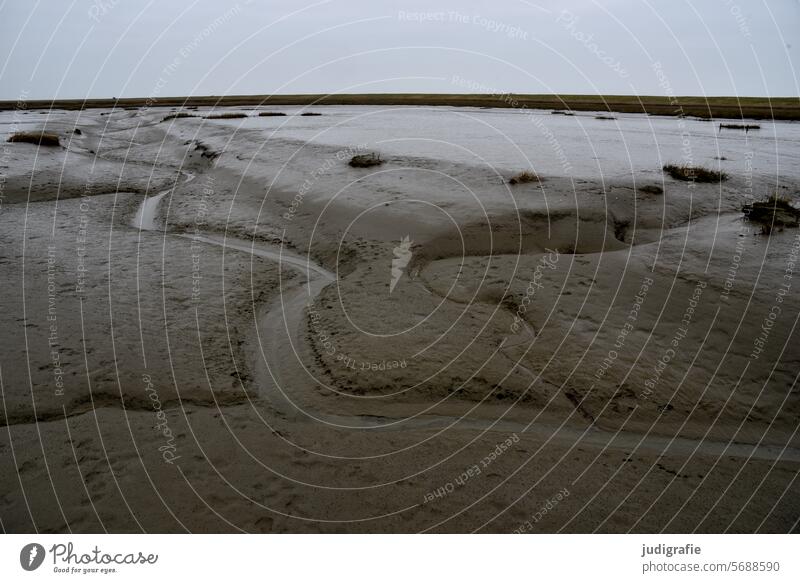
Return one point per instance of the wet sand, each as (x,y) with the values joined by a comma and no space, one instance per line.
(214,327)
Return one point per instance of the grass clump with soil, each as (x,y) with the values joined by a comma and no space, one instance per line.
(651,189)
(776,211)
(177,115)
(524,177)
(691,173)
(366,160)
(739,126)
(271,114)
(226,115)
(37,138)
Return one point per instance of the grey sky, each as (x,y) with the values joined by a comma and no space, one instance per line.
(104,48)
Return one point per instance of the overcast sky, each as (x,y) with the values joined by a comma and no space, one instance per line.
(129,48)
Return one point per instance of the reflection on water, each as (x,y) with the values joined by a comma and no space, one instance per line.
(578,145)
(552,144)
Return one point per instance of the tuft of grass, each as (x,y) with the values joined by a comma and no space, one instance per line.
(651,189)
(366,160)
(38,138)
(694,173)
(309,113)
(524,177)
(739,126)
(561,112)
(177,115)
(205,151)
(776,211)
(777,199)
(608,117)
(271,114)
(229,115)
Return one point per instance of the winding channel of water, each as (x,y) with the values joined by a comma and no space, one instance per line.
(280,324)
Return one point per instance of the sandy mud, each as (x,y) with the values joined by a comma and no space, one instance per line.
(220,326)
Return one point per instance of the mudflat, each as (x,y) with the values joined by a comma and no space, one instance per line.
(220,325)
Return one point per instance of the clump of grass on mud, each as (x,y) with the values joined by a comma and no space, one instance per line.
(205,151)
(38,138)
(524,177)
(177,115)
(776,211)
(309,113)
(651,189)
(271,114)
(694,173)
(230,115)
(739,126)
(366,160)
(606,117)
